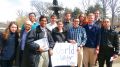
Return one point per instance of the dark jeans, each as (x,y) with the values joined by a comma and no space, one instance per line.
(6,63)
(50,62)
(102,60)
(20,58)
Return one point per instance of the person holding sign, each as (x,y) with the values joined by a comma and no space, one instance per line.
(77,34)
(39,45)
(59,34)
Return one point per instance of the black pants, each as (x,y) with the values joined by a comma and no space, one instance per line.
(50,62)
(65,66)
(102,59)
(6,63)
(20,58)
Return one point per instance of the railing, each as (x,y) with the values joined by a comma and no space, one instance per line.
(2,29)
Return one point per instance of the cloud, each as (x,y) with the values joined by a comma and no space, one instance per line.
(6,10)
(9,9)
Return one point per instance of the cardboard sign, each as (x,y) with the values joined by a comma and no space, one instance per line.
(64,54)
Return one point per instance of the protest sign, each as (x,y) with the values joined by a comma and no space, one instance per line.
(64,54)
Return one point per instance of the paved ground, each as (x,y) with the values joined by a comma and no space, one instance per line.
(116,63)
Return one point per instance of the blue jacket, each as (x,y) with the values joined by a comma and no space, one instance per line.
(93,36)
(9,47)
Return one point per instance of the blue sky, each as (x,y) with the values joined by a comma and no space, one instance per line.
(9,8)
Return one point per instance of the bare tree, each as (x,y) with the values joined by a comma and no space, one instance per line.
(114,8)
(22,16)
(20,13)
(86,4)
(118,14)
(42,7)
(105,5)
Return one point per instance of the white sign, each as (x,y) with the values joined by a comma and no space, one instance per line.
(64,54)
(43,43)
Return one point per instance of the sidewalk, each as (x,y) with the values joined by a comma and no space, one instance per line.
(116,64)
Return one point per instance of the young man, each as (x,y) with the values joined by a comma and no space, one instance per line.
(38,55)
(77,34)
(67,21)
(92,44)
(50,26)
(32,18)
(97,21)
(52,23)
(109,44)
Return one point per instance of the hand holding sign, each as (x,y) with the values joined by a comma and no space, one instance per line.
(72,41)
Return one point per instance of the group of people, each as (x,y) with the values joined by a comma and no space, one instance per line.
(96,41)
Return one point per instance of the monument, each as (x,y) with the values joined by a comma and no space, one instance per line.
(56,8)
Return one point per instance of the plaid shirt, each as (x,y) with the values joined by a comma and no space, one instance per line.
(78,34)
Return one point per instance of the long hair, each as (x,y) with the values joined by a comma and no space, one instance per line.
(7,31)
(85,21)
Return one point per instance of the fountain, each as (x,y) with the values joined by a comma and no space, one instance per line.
(56,8)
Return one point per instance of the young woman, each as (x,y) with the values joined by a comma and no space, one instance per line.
(9,44)
(59,33)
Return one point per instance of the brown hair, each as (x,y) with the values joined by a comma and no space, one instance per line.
(53,16)
(59,21)
(7,30)
(81,15)
(85,21)
(68,13)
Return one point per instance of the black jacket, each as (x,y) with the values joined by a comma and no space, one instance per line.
(59,36)
(30,51)
(109,43)
(98,23)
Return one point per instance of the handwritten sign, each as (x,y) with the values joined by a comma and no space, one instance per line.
(64,54)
